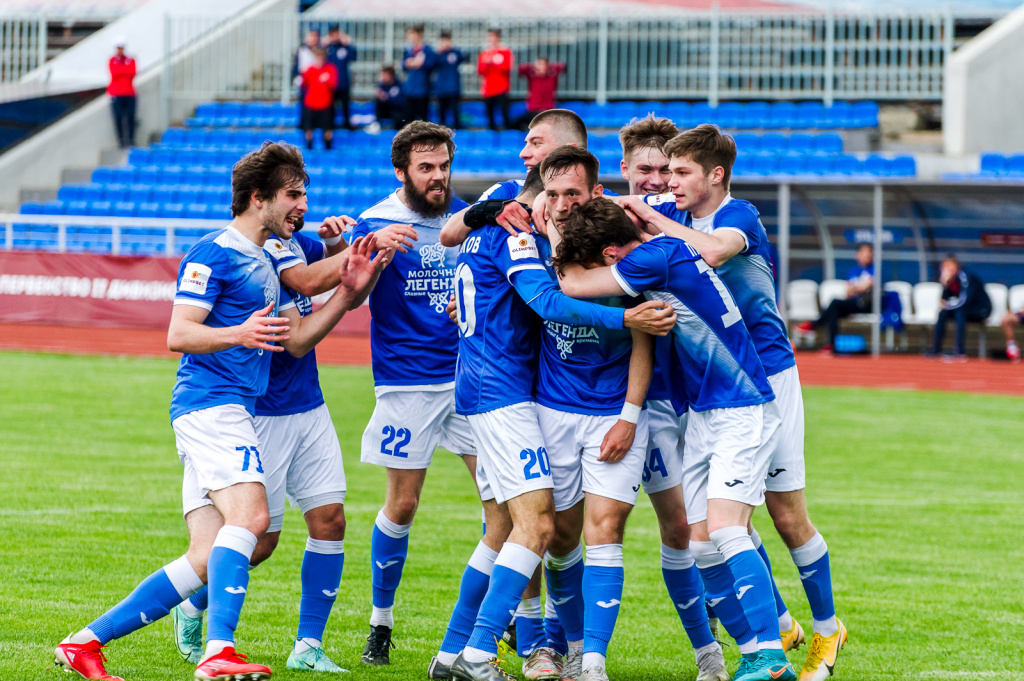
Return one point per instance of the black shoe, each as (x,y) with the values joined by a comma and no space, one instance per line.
(509,637)
(378,646)
(438,670)
(479,671)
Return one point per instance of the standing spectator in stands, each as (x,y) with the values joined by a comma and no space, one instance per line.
(1010,320)
(341,52)
(418,60)
(541,89)
(495,68)
(304,56)
(859,282)
(389,104)
(447,82)
(964,299)
(122,94)
(318,84)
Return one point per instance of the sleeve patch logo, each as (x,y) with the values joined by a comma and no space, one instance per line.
(659,199)
(195,278)
(277,249)
(522,246)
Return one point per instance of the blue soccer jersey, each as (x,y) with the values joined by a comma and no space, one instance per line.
(294,385)
(714,364)
(412,340)
(231,278)
(749,275)
(500,283)
(583,369)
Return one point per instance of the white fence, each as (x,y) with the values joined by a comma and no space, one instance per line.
(22,46)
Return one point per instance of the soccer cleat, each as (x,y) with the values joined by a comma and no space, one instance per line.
(805,327)
(543,663)
(713,626)
(821,659)
(188,635)
(744,668)
(507,646)
(572,668)
(479,671)
(769,665)
(313,660)
(378,646)
(438,670)
(1013,353)
(85,659)
(227,665)
(594,674)
(711,666)
(793,637)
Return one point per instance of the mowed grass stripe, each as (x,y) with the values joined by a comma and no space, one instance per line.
(917,494)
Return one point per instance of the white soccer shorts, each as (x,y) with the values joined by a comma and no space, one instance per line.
(664,467)
(302,460)
(407,426)
(726,456)
(787,472)
(486,493)
(511,449)
(574,445)
(219,448)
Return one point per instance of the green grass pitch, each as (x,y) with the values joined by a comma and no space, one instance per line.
(918,495)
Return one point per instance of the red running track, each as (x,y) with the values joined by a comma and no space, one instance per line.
(901,372)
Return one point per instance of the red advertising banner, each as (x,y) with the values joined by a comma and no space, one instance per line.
(101,291)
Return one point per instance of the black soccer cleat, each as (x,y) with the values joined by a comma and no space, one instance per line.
(378,646)
(479,671)
(438,670)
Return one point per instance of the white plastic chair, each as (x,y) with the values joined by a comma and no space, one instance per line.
(1016,298)
(830,290)
(927,302)
(905,290)
(802,300)
(999,295)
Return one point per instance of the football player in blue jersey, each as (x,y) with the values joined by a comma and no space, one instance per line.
(227,289)
(733,422)
(414,350)
(728,233)
(645,166)
(301,454)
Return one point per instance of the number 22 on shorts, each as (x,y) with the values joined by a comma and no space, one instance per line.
(390,433)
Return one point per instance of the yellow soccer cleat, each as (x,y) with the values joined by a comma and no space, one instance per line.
(793,637)
(821,660)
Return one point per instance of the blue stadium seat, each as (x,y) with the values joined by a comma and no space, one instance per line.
(172,210)
(763,164)
(821,164)
(700,112)
(1014,166)
(840,115)
(755,115)
(865,114)
(729,114)
(173,136)
(139,156)
(848,165)
(904,166)
(115,192)
(877,166)
(124,209)
(32,208)
(992,165)
(783,115)
(774,142)
(77,208)
(100,208)
(148,210)
(801,143)
(103,174)
(147,175)
(70,192)
(828,142)
(811,115)
(139,192)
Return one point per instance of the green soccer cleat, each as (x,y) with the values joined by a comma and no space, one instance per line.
(313,660)
(188,635)
(745,663)
(769,665)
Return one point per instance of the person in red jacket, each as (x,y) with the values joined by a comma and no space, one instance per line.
(318,83)
(542,88)
(122,94)
(495,69)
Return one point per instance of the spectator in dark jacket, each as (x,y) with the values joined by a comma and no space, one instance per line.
(389,104)
(418,61)
(341,52)
(964,299)
(447,82)
(541,89)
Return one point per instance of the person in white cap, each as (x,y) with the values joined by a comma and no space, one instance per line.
(122,94)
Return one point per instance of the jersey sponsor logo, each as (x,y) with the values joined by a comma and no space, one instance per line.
(236,590)
(564,346)
(522,246)
(439,300)
(433,280)
(276,249)
(432,255)
(658,199)
(742,590)
(195,278)
(567,335)
(609,604)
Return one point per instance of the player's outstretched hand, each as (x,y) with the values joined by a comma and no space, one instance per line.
(259,330)
(617,441)
(397,238)
(335,226)
(453,310)
(655,317)
(514,218)
(359,267)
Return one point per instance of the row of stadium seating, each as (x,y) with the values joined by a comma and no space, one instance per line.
(996,166)
(138,241)
(737,115)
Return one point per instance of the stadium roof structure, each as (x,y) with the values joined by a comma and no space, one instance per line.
(499,9)
(70,9)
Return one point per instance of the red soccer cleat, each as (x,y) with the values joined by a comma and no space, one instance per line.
(86,659)
(805,327)
(227,665)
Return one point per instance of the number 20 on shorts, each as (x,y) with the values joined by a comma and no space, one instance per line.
(535,459)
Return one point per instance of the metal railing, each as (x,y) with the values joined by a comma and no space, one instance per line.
(22,46)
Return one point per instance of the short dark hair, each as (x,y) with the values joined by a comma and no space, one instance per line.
(334,28)
(419,136)
(568,122)
(417,28)
(707,146)
(566,157)
(646,133)
(446,34)
(265,171)
(591,228)
(386,68)
(495,30)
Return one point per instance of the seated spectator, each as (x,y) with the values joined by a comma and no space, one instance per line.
(389,104)
(1011,319)
(541,88)
(964,299)
(318,84)
(859,282)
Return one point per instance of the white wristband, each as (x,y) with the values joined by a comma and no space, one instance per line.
(333,240)
(630,413)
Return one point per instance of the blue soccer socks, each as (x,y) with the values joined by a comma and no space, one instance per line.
(322,565)
(512,572)
(389,546)
(816,575)
(475,580)
(603,578)
(529,627)
(564,576)
(785,619)
(751,583)
(685,588)
(721,595)
(228,577)
(148,602)
(554,635)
